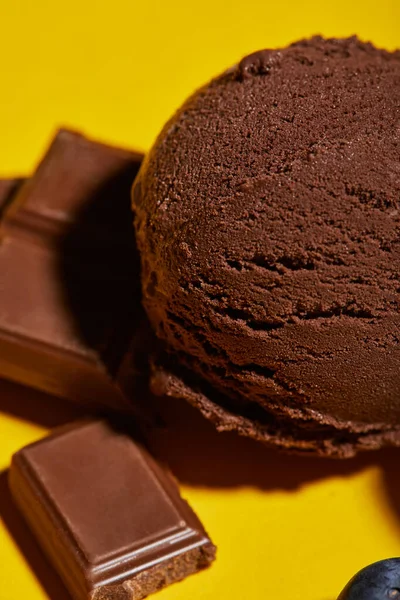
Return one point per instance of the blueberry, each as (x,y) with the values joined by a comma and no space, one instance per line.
(379,581)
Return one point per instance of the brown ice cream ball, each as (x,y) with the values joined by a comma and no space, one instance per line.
(268,221)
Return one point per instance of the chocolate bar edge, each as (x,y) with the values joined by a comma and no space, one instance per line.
(85,381)
(31,511)
(21,221)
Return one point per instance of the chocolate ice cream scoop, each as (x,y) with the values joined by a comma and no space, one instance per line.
(268,221)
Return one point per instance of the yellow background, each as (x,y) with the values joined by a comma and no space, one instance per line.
(287,528)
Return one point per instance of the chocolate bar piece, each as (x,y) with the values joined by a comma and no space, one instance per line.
(106,513)
(70,292)
(78,181)
(41,344)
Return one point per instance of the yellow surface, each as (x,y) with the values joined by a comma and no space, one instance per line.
(287,528)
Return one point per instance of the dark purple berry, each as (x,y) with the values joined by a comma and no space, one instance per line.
(379,581)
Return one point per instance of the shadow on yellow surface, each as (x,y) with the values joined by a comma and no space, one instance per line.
(200,456)
(38,563)
(389,462)
(197,454)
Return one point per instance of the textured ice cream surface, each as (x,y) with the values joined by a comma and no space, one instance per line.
(268,221)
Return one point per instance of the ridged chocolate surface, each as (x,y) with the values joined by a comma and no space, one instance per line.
(107,514)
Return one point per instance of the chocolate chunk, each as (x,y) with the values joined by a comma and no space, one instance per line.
(70,277)
(107,515)
(75,174)
(40,343)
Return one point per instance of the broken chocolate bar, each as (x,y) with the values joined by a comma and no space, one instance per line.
(70,292)
(106,513)
(78,182)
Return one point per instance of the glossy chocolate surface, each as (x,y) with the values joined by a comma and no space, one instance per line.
(70,276)
(107,514)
